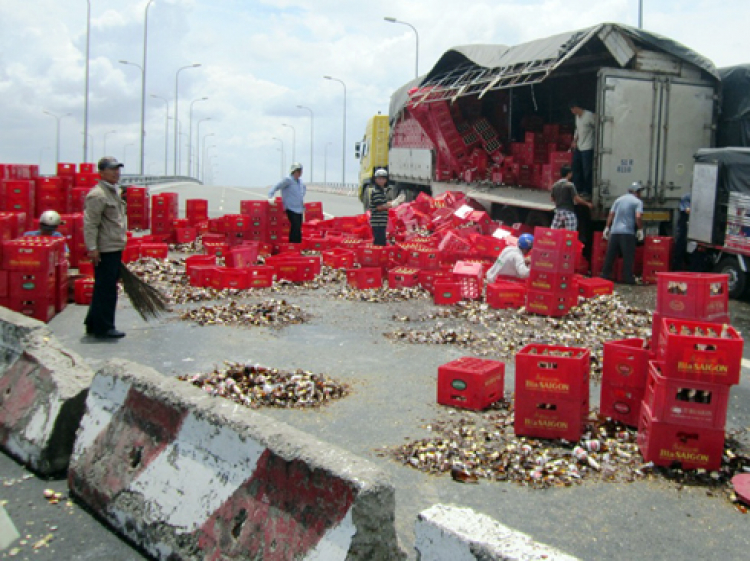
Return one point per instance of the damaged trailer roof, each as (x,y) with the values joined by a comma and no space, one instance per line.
(478,69)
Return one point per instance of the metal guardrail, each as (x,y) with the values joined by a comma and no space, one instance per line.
(156,179)
(345,189)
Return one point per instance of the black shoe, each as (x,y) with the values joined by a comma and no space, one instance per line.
(111,334)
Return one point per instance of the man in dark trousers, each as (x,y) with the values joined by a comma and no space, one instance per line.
(565,197)
(293,196)
(105,234)
(583,148)
(624,228)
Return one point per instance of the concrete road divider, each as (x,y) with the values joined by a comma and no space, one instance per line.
(449,533)
(189,476)
(42,394)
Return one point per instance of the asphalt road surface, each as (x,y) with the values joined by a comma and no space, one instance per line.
(393,398)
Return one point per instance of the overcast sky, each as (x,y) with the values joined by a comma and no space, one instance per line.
(260,59)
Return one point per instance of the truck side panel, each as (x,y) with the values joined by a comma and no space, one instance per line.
(411,165)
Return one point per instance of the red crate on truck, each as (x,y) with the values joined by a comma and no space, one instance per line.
(555,240)
(562,284)
(365,278)
(593,287)
(338,258)
(697,296)
(201,275)
(42,309)
(260,276)
(667,444)
(541,416)
(553,261)
(230,278)
(685,402)
(470,383)
(546,304)
(625,362)
(403,277)
(621,403)
(505,295)
(556,371)
(155,250)
(447,292)
(708,352)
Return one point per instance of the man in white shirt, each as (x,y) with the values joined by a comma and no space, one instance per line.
(583,148)
(512,261)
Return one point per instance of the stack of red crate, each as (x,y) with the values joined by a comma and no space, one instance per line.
(278,223)
(552,290)
(196,211)
(139,208)
(18,196)
(257,213)
(552,391)
(470,383)
(698,358)
(657,257)
(313,211)
(37,276)
(164,211)
(51,193)
(624,374)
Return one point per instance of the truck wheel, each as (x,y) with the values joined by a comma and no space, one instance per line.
(738,279)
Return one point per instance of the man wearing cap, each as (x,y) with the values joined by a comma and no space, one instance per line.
(624,228)
(293,196)
(105,234)
(583,148)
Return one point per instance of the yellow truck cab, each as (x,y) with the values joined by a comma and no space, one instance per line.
(372,151)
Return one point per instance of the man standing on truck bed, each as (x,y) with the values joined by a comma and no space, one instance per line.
(624,228)
(565,197)
(583,148)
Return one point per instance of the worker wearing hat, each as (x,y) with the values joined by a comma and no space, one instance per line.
(293,197)
(513,260)
(48,224)
(105,234)
(624,229)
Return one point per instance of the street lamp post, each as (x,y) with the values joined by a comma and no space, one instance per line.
(198,143)
(166,129)
(190,136)
(143,82)
(640,14)
(416,62)
(281,167)
(176,113)
(90,137)
(201,155)
(312,123)
(325,164)
(86,95)
(343,154)
(294,141)
(57,133)
(105,140)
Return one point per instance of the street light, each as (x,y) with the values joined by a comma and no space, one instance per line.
(57,133)
(125,152)
(294,141)
(166,129)
(190,136)
(325,164)
(343,154)
(201,154)
(90,137)
(640,14)
(105,140)
(86,96)
(143,79)
(143,82)
(312,123)
(198,138)
(176,113)
(416,62)
(281,167)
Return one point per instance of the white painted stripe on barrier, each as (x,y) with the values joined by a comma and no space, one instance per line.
(206,463)
(106,396)
(40,424)
(335,544)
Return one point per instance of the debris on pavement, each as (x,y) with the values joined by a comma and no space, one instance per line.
(269,313)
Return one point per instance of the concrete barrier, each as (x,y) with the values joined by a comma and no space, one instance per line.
(42,394)
(449,533)
(189,476)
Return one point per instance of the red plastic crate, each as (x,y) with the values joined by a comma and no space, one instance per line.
(202,275)
(561,284)
(155,250)
(621,403)
(217,249)
(230,278)
(504,295)
(555,240)
(42,309)
(685,402)
(372,256)
(260,276)
(593,287)
(697,296)
(553,261)
(652,271)
(315,243)
(245,255)
(625,363)
(185,235)
(338,258)
(706,358)
(666,444)
(403,277)
(199,261)
(28,285)
(447,292)
(131,253)
(294,271)
(470,383)
(540,369)
(470,275)
(25,255)
(254,208)
(546,304)
(428,278)
(83,290)
(540,416)
(4,284)
(287,247)
(365,278)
